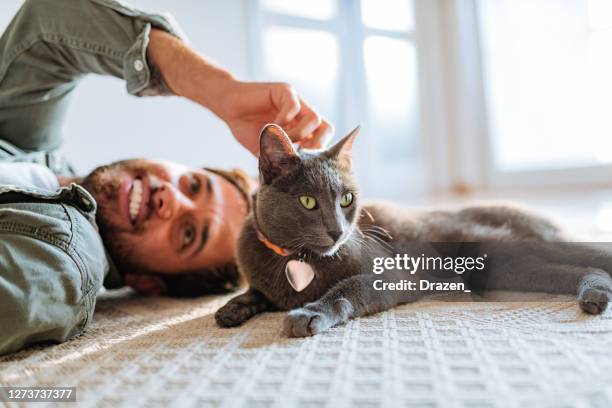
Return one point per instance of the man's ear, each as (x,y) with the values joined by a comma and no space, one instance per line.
(343,150)
(276,153)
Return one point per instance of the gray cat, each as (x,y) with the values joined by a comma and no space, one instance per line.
(307,218)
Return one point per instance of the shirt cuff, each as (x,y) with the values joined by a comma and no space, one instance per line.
(142,77)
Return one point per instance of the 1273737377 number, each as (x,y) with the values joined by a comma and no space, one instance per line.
(37,394)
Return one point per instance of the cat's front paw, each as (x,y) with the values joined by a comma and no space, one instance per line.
(315,318)
(593,300)
(594,292)
(233,314)
(304,322)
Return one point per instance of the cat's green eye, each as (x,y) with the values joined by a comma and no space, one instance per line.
(308,202)
(346,200)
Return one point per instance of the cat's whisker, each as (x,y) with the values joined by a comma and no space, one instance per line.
(376,232)
(366,245)
(380,230)
(374,238)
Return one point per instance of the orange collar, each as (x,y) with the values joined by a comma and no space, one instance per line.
(277,249)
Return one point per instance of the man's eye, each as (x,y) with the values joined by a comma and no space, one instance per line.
(194,185)
(188,235)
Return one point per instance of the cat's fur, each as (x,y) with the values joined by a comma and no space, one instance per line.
(526,252)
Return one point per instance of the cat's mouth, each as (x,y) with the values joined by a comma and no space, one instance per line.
(323,250)
(329,250)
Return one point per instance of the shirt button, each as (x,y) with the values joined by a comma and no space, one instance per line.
(87,205)
(138,65)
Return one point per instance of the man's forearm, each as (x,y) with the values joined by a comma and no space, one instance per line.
(244,106)
(187,73)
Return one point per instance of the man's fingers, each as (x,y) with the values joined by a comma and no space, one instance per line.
(288,104)
(308,122)
(320,138)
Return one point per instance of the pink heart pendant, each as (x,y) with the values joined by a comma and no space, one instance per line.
(299,274)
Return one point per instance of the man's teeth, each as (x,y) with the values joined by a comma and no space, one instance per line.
(135,199)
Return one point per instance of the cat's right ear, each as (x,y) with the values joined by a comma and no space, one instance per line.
(343,150)
(276,153)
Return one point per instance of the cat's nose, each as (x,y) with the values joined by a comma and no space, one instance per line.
(335,235)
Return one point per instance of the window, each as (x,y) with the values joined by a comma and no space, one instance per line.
(289,53)
(510,92)
(312,9)
(356,61)
(548,83)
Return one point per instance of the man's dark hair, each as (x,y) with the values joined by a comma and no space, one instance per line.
(207,282)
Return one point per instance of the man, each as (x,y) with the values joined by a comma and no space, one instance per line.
(168,228)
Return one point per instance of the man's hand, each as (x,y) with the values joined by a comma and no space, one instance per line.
(248,106)
(245,106)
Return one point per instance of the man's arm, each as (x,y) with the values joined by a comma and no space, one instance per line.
(245,106)
(50,44)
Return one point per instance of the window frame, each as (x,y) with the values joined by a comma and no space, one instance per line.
(470,117)
(351,33)
(452,96)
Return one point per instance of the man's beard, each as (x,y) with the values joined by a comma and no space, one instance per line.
(104,183)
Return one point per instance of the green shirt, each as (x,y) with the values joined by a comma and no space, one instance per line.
(51,44)
(52,260)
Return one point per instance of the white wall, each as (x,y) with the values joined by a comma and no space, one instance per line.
(106,124)
(7,9)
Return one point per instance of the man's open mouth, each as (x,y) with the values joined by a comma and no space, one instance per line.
(137,199)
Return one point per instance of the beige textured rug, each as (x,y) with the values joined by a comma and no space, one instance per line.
(434,353)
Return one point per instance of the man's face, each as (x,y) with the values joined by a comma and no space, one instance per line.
(162,217)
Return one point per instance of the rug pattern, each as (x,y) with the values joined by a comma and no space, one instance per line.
(160,352)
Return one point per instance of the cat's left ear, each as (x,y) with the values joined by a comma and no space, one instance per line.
(343,150)
(276,153)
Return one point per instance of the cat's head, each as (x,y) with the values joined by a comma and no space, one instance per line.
(307,200)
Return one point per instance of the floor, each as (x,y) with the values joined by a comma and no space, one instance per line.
(533,351)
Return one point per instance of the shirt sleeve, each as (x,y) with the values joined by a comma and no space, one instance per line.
(69,38)
(50,44)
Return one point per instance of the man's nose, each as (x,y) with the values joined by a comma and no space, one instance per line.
(164,202)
